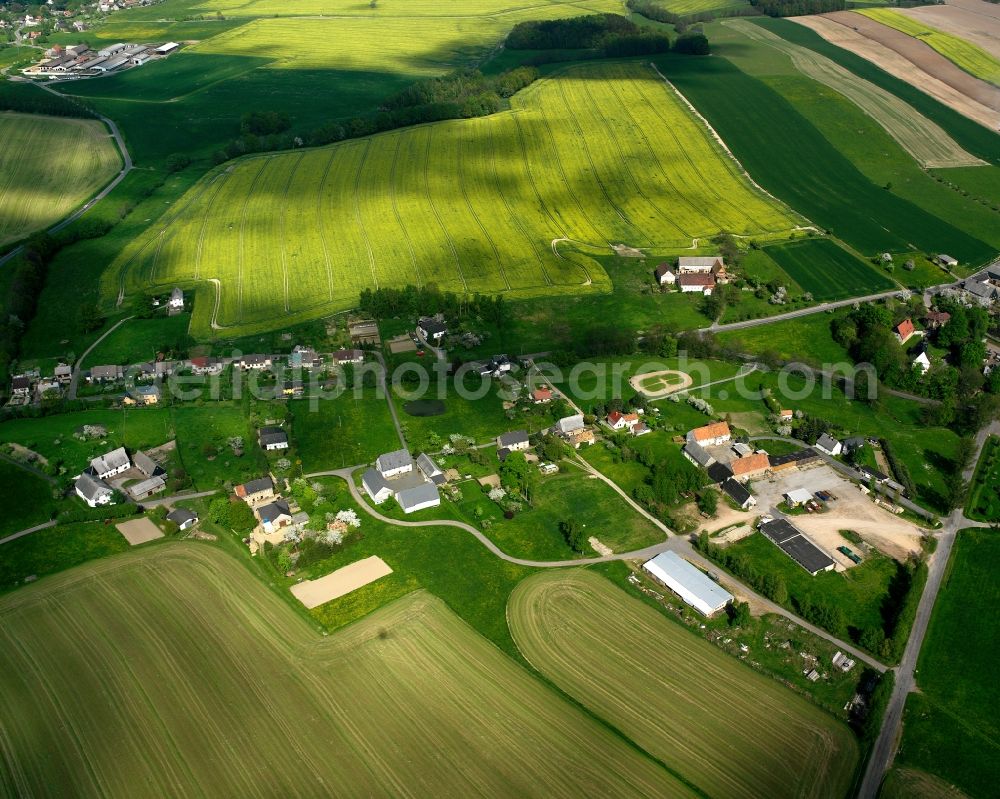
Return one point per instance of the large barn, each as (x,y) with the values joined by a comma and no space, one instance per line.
(689,583)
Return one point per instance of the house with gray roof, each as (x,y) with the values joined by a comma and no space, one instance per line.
(419,497)
(256,490)
(829,445)
(146,488)
(183,518)
(146,465)
(569,424)
(376,486)
(111,463)
(430,469)
(93,490)
(272,438)
(514,441)
(105,374)
(982,292)
(274,515)
(698,455)
(394,463)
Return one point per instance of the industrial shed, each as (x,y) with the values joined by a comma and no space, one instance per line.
(690,584)
(789,539)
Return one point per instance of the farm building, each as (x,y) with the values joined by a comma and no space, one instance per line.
(164,49)
(742,450)
(418,497)
(111,463)
(738,493)
(797,496)
(541,395)
(936,319)
(355,357)
(947,260)
(750,466)
(689,583)
(905,331)
(617,420)
(183,518)
(872,474)
(105,374)
(790,540)
(695,283)
(272,438)
(665,275)
(112,49)
(143,395)
(255,490)
(376,486)
(394,463)
(304,358)
(710,435)
(431,329)
(718,472)
(93,490)
(829,445)
(206,366)
(698,455)
(274,515)
(146,465)
(176,301)
(569,424)
(146,488)
(430,469)
(700,264)
(254,362)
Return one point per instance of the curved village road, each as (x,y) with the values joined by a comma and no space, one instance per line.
(674,543)
(127,167)
(75,379)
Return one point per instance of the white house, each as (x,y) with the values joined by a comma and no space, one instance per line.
(376,486)
(922,362)
(395,463)
(711,434)
(699,264)
(431,329)
(947,260)
(665,275)
(618,421)
(176,301)
(515,441)
(272,438)
(257,362)
(418,497)
(797,496)
(93,490)
(829,445)
(274,515)
(111,464)
(183,518)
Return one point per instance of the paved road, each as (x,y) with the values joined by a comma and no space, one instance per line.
(75,379)
(127,167)
(29,531)
(168,501)
(885,746)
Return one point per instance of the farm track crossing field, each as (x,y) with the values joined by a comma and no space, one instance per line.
(927,142)
(968,56)
(597,154)
(827,270)
(49,166)
(117,679)
(789,156)
(724,728)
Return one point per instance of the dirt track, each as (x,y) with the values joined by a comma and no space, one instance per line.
(912,61)
(974,21)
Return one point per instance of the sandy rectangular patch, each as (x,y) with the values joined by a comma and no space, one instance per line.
(313,593)
(139,531)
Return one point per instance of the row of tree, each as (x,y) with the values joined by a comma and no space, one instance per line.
(384,303)
(585,32)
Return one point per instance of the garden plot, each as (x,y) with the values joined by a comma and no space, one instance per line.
(313,593)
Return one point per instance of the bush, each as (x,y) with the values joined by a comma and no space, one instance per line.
(692,44)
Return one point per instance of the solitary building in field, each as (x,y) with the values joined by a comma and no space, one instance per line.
(689,583)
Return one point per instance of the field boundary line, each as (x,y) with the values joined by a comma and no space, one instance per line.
(321,222)
(357,211)
(715,135)
(395,210)
(437,213)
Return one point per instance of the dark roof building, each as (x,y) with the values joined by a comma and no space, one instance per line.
(718,472)
(790,540)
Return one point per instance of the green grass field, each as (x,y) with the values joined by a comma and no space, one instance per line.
(677,696)
(140,340)
(970,57)
(984,495)
(805,339)
(203,434)
(922,138)
(52,436)
(49,166)
(198,695)
(761,121)
(598,154)
(340,432)
(34,503)
(827,270)
(951,727)
(688,7)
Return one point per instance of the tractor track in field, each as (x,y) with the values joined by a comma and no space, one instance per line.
(357,211)
(284,216)
(239,249)
(395,211)
(321,223)
(582,143)
(462,160)
(219,182)
(614,138)
(437,213)
(710,185)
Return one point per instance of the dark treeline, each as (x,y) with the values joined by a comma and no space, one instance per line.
(588,32)
(383,303)
(30,99)
(461,95)
(651,10)
(797,8)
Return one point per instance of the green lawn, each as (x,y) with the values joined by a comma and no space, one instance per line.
(629,475)
(53,436)
(140,340)
(858,593)
(984,496)
(806,339)
(334,433)
(827,270)
(55,549)
(34,501)
(951,728)
(203,433)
